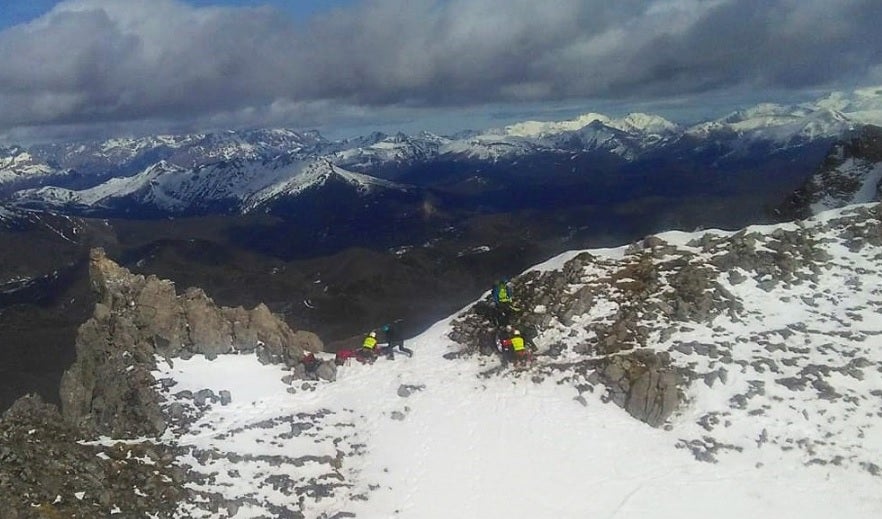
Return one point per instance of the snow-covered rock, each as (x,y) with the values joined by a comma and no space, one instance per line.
(851,174)
(17,164)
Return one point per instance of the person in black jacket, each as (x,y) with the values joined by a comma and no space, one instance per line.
(394,340)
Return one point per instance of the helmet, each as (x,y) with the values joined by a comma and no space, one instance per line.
(517,332)
(385,328)
(373,334)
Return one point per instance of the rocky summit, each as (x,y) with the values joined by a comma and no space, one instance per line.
(672,374)
(136,319)
(110,391)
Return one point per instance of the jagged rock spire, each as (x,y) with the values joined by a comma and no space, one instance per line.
(110,387)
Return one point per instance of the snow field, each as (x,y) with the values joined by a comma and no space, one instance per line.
(506,446)
(784,410)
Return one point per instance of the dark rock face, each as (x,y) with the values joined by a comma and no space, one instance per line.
(840,176)
(110,387)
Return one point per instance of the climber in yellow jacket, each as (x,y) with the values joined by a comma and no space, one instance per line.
(518,348)
(368,349)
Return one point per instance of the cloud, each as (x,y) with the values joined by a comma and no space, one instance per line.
(164,62)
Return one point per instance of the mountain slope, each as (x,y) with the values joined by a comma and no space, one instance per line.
(44,297)
(850,174)
(314,176)
(769,333)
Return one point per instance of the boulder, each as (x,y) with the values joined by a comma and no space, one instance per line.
(327,371)
(644,383)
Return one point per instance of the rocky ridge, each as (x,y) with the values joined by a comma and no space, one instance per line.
(47,471)
(50,463)
(780,323)
(110,387)
(851,173)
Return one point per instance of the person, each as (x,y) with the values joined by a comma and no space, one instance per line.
(502,292)
(517,348)
(310,363)
(368,349)
(393,340)
(502,299)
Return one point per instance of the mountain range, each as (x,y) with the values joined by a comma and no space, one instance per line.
(245,171)
(339,236)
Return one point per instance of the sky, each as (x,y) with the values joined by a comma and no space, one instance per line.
(83,68)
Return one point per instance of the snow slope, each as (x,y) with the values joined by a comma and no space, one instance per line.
(466,447)
(782,417)
(17,164)
(313,175)
(867,177)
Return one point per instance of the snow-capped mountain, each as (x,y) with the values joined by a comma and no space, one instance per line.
(635,123)
(379,150)
(864,105)
(626,137)
(18,165)
(170,188)
(783,125)
(313,176)
(79,176)
(238,185)
(84,166)
(827,117)
(188,150)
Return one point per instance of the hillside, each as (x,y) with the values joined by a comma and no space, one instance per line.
(850,174)
(672,375)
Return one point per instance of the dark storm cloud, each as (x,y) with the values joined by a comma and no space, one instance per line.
(118,61)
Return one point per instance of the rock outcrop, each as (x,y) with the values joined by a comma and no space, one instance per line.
(640,380)
(644,383)
(46,472)
(110,389)
(645,322)
(850,174)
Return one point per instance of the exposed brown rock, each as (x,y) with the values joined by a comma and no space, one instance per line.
(110,386)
